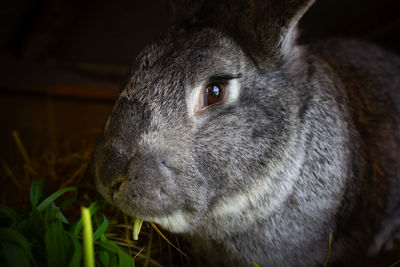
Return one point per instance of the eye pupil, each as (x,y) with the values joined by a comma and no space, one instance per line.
(212,95)
(215,91)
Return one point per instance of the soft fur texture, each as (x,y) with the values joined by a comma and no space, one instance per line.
(306,142)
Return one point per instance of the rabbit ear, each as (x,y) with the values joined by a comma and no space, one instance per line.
(266,29)
(272,29)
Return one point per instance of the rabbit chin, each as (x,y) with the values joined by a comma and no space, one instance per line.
(177,222)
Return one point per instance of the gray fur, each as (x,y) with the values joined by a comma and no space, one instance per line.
(309,147)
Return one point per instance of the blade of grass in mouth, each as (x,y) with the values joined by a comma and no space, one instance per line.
(137,225)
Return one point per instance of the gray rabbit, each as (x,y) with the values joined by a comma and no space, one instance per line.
(253,147)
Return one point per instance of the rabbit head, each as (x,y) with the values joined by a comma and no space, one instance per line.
(208,115)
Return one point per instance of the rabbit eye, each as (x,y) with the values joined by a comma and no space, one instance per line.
(212,94)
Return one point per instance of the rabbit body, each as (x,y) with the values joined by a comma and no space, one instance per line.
(305,144)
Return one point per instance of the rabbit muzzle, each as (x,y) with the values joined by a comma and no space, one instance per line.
(133,177)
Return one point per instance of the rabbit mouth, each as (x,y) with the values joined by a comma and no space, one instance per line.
(177,221)
(154,205)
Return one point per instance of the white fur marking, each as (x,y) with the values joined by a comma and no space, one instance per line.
(176,222)
(192,100)
(233,91)
(235,205)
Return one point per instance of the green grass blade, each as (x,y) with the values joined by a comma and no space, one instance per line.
(58,247)
(54,252)
(93,209)
(104,256)
(32,226)
(45,203)
(77,252)
(68,202)
(101,230)
(107,245)
(53,213)
(87,238)
(36,192)
(11,236)
(124,260)
(137,225)
(113,260)
(60,216)
(15,255)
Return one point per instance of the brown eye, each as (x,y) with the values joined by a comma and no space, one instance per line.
(212,94)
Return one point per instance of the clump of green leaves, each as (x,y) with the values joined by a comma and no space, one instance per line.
(44,236)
